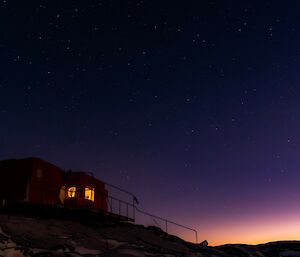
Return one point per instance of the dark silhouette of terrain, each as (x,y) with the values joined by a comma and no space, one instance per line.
(45,237)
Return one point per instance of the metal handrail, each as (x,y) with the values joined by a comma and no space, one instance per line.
(134,198)
(169,222)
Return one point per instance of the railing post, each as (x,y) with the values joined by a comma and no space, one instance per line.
(133,214)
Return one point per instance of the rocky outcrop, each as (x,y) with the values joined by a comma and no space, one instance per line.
(22,236)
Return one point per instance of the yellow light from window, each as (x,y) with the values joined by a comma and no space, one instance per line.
(89,194)
(71,192)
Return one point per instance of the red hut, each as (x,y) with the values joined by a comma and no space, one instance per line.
(34,180)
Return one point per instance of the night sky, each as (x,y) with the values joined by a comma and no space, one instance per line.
(192,105)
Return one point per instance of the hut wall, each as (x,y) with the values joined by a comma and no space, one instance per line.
(45,182)
(15,175)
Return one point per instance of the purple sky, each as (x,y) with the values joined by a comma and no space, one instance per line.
(191,106)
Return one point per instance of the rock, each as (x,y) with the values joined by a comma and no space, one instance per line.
(156,229)
(204,243)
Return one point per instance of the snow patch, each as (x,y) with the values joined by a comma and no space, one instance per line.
(11,253)
(9,244)
(151,254)
(112,244)
(82,250)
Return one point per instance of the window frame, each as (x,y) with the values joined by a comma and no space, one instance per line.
(91,195)
(71,193)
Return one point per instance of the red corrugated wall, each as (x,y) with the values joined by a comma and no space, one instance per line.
(15,175)
(45,182)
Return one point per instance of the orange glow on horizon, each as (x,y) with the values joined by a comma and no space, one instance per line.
(256,231)
(243,226)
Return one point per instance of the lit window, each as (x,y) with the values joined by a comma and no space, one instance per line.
(90,194)
(71,192)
